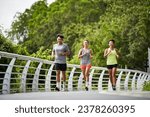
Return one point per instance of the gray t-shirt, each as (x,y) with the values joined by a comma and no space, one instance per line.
(85,60)
(58,49)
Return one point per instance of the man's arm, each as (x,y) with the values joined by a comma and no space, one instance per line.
(53,53)
(67,52)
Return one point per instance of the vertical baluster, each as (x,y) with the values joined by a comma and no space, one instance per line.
(143,81)
(80,82)
(118,81)
(36,78)
(100,88)
(138,81)
(109,85)
(70,80)
(126,81)
(133,81)
(24,76)
(7,77)
(90,79)
(149,77)
(48,78)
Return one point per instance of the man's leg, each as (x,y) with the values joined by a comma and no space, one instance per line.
(64,79)
(63,69)
(58,84)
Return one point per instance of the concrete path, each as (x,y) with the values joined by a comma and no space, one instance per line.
(78,95)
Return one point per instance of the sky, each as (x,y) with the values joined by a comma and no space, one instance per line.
(8,9)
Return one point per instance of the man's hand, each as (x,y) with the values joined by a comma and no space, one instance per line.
(63,54)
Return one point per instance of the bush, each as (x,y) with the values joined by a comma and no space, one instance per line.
(146,86)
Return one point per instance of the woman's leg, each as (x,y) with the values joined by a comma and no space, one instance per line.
(110,75)
(87,74)
(84,76)
(83,68)
(87,77)
(114,76)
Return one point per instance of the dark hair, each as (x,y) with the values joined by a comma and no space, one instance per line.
(84,41)
(112,40)
(60,35)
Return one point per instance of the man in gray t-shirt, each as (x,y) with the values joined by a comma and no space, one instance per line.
(60,51)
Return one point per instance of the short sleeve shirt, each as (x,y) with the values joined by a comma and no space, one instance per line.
(58,49)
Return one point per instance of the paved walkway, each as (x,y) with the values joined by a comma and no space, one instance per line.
(78,95)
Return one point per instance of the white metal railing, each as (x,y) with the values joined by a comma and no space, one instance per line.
(20,73)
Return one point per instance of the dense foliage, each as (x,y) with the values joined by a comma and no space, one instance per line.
(126,21)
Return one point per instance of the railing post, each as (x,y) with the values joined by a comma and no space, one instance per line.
(109,85)
(133,81)
(7,77)
(90,79)
(143,81)
(139,81)
(126,81)
(146,78)
(48,78)
(118,81)
(80,82)
(100,88)
(70,86)
(36,78)
(24,76)
(149,77)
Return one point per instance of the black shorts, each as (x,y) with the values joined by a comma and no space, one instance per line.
(61,67)
(112,66)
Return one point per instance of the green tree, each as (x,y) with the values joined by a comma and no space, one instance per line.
(126,21)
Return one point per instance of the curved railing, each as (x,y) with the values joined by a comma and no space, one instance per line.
(20,73)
